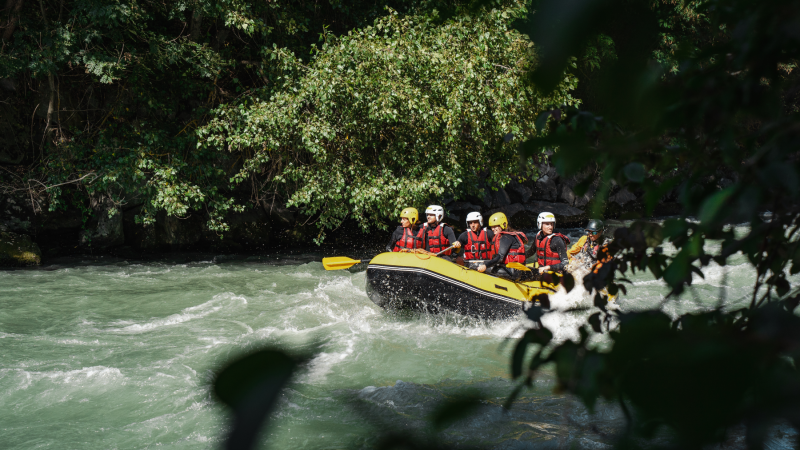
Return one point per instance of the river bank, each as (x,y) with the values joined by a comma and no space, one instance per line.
(31,234)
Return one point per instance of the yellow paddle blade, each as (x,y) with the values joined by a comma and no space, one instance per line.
(518,266)
(339,263)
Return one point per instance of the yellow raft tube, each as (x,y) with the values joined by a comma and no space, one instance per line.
(426,283)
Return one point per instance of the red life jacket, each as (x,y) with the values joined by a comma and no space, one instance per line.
(408,241)
(516,255)
(434,240)
(478,246)
(547,257)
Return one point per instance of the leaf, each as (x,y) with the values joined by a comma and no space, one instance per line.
(250,386)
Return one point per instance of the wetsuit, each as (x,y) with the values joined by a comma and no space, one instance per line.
(495,266)
(464,239)
(446,232)
(557,245)
(398,235)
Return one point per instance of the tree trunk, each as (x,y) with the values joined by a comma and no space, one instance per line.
(14,7)
(197,22)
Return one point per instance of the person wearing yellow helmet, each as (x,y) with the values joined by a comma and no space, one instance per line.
(508,245)
(405,237)
(550,247)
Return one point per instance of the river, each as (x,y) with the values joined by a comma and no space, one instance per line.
(104,353)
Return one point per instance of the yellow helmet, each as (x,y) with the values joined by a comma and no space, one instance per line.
(411,214)
(498,220)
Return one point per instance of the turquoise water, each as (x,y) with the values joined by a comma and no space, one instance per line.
(122,355)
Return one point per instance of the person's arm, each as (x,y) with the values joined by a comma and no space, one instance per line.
(450,235)
(398,233)
(577,247)
(505,245)
(559,246)
(532,249)
(464,239)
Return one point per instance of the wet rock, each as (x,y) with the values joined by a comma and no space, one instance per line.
(180,233)
(500,198)
(622,197)
(523,192)
(509,210)
(566,215)
(18,250)
(545,188)
(278,213)
(464,206)
(104,231)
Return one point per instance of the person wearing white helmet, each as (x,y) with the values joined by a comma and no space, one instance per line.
(549,246)
(477,240)
(436,235)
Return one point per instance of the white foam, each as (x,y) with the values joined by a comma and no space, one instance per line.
(187,314)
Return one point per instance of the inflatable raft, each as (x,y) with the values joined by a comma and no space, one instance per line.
(425,283)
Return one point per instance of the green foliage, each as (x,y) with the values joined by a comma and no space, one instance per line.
(109,95)
(390,115)
(712,117)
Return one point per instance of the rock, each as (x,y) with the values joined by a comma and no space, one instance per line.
(566,195)
(509,210)
(103,231)
(524,192)
(566,215)
(463,206)
(622,197)
(278,213)
(179,233)
(18,250)
(500,198)
(545,189)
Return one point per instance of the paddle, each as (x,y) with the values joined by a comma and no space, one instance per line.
(518,266)
(343,262)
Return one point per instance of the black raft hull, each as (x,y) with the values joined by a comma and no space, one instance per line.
(403,281)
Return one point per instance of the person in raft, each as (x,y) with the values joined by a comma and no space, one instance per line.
(591,242)
(436,235)
(508,245)
(550,247)
(404,238)
(477,240)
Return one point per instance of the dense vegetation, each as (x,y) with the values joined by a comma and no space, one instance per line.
(125,103)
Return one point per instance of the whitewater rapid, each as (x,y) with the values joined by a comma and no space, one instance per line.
(122,355)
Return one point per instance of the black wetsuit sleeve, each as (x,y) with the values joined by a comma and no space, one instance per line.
(464,239)
(451,237)
(506,242)
(531,252)
(557,245)
(398,233)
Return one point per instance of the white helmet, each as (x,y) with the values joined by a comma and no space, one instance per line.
(473,216)
(545,217)
(437,211)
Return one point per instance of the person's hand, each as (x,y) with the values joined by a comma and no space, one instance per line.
(456,244)
(543,269)
(482,268)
